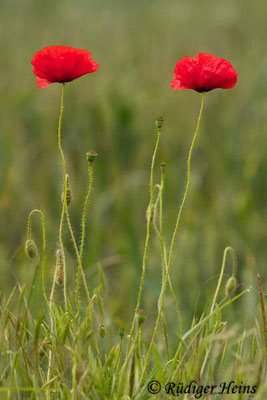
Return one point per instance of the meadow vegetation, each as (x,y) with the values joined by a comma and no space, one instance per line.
(113,112)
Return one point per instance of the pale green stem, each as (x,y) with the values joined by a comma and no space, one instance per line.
(74,377)
(203,321)
(151,188)
(52,330)
(232,252)
(160,235)
(64,194)
(90,173)
(173,241)
(88,195)
(44,248)
(78,259)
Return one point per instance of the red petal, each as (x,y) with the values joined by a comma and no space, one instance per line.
(177,85)
(41,83)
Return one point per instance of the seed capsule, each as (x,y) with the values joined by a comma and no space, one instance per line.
(159,122)
(91,156)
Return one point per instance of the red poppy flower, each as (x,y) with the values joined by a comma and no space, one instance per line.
(61,64)
(203,73)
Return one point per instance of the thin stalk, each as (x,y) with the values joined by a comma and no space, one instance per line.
(52,330)
(151,188)
(206,319)
(160,235)
(80,268)
(226,250)
(88,195)
(64,193)
(173,240)
(44,248)
(263,313)
(65,210)
(86,203)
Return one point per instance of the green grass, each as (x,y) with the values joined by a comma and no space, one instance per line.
(136,45)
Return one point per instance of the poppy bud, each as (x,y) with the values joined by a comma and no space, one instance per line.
(59,268)
(163,165)
(121,332)
(150,213)
(159,122)
(31,249)
(231,285)
(68,191)
(101,330)
(91,156)
(141,316)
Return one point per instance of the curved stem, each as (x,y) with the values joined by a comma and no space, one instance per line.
(151,188)
(232,252)
(173,240)
(36,211)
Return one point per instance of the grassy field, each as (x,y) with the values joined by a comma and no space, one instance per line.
(137,44)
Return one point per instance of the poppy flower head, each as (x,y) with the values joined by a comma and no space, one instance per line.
(61,64)
(203,73)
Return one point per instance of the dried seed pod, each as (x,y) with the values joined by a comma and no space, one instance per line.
(31,249)
(59,268)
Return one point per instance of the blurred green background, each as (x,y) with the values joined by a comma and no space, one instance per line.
(137,44)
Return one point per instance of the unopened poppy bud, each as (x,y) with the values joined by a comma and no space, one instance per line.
(150,213)
(121,332)
(68,191)
(91,156)
(231,285)
(31,249)
(59,268)
(141,316)
(159,122)
(101,330)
